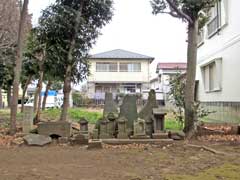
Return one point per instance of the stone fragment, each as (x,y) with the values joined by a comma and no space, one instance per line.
(59,128)
(128,110)
(80,139)
(37,140)
(109,106)
(27,122)
(95,145)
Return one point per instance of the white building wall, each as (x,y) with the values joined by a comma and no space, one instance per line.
(125,77)
(225,45)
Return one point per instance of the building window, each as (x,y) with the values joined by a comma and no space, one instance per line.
(106,67)
(211,74)
(130,67)
(218,17)
(200,38)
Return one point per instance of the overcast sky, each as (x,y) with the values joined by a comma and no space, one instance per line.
(134,28)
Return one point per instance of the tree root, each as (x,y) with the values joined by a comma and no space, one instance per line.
(207,149)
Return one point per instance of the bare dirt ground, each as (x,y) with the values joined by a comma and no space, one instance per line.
(146,162)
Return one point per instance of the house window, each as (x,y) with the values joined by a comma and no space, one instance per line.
(106,67)
(218,17)
(211,74)
(200,38)
(130,67)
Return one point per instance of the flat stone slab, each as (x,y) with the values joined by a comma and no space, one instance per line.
(137,141)
(37,140)
(59,128)
(160,136)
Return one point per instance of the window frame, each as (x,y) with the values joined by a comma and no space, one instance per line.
(209,86)
(130,67)
(108,69)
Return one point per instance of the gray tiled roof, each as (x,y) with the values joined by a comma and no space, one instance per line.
(120,54)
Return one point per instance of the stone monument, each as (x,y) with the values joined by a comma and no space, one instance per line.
(109,106)
(128,110)
(158,124)
(83,126)
(146,112)
(103,130)
(111,126)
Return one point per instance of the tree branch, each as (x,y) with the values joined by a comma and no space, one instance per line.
(179,12)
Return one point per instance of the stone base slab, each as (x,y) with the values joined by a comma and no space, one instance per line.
(160,136)
(137,141)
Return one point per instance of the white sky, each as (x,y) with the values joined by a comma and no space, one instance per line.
(134,28)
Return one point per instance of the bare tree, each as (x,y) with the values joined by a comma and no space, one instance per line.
(18,66)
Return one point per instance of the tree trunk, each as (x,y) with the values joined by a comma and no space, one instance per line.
(66,93)
(24,91)
(67,80)
(9,96)
(1,100)
(17,68)
(190,112)
(39,98)
(49,84)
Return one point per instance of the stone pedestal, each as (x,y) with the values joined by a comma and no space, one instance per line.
(122,128)
(27,123)
(158,124)
(81,139)
(59,128)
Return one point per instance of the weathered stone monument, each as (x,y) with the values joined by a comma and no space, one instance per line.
(109,106)
(27,123)
(122,128)
(146,112)
(128,110)
(103,130)
(139,129)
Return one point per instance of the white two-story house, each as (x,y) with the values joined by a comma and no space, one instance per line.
(219,62)
(118,71)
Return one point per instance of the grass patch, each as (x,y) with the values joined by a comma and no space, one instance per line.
(73,113)
(172,124)
(226,171)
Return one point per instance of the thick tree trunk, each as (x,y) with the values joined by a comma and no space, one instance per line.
(39,98)
(66,93)
(9,96)
(49,84)
(1,100)
(17,68)
(67,80)
(24,91)
(190,112)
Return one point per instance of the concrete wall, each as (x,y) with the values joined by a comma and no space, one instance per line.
(224,45)
(126,77)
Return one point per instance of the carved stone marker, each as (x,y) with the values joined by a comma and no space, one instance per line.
(109,106)
(128,110)
(140,130)
(83,126)
(158,123)
(59,128)
(111,126)
(146,112)
(27,123)
(122,128)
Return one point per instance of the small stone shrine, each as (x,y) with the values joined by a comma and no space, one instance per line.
(83,126)
(158,124)
(140,129)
